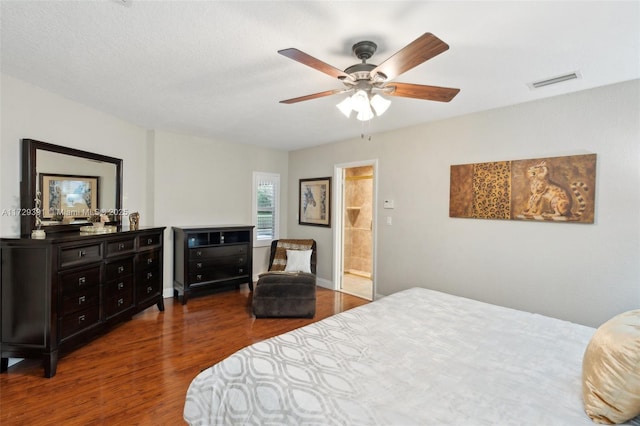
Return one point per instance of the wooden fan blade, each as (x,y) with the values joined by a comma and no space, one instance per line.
(312,62)
(419,91)
(418,51)
(313,96)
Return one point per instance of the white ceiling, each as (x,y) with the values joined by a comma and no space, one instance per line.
(211,68)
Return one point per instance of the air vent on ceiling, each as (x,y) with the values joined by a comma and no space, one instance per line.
(554,80)
(126,3)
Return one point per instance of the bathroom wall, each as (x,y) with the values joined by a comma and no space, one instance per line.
(358,241)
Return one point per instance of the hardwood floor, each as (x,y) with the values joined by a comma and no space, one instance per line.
(138,374)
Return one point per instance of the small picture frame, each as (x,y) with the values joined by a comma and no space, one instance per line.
(315,202)
(69,195)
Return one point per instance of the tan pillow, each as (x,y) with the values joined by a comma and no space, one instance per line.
(611,370)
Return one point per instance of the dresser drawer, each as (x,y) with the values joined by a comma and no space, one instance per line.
(119,268)
(148,284)
(206,264)
(82,299)
(71,282)
(119,303)
(219,251)
(79,255)
(78,321)
(147,260)
(119,286)
(115,248)
(149,240)
(222,272)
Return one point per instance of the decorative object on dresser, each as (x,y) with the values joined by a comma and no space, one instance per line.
(289,288)
(211,258)
(134,220)
(60,292)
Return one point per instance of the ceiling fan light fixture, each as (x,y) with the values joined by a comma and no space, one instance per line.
(360,101)
(380,104)
(346,106)
(365,114)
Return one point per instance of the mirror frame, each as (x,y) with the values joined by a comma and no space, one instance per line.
(29,179)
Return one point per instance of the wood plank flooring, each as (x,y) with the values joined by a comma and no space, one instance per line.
(138,374)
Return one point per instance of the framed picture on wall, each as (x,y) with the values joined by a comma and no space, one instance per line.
(315,202)
(69,195)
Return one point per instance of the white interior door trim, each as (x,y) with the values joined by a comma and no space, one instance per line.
(338,218)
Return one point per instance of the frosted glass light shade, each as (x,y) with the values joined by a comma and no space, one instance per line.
(360,101)
(380,104)
(365,114)
(346,106)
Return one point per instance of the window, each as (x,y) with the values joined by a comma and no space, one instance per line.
(266,206)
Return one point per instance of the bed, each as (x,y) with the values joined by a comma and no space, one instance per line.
(415,357)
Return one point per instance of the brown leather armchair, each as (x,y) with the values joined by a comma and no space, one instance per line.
(281,293)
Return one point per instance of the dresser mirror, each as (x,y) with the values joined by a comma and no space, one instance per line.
(46,166)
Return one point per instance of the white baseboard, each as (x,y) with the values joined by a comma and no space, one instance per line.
(321,282)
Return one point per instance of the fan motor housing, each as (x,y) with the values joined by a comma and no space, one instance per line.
(364,49)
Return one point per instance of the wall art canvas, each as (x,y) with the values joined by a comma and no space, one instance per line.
(555,189)
(315,199)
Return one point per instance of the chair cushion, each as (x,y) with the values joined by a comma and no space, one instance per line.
(279,277)
(280,257)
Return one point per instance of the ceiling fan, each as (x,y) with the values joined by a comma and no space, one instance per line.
(366,81)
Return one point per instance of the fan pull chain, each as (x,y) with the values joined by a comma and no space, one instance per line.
(364,134)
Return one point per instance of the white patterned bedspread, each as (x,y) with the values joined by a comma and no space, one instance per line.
(416,357)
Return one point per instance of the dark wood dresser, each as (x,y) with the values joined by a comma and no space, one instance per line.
(211,258)
(60,292)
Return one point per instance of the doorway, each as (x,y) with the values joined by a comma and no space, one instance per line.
(355,248)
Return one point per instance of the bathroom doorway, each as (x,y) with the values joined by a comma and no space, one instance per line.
(355,273)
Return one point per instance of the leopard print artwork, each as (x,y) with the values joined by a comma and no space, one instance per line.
(492,190)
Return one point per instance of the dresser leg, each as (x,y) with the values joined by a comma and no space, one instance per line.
(50,364)
(4,365)
(161,304)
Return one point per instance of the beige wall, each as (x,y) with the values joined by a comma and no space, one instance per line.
(170,179)
(30,112)
(583,273)
(199,181)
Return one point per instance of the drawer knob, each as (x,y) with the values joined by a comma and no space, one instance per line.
(82,281)
(120,286)
(198,253)
(81,300)
(199,277)
(199,265)
(81,319)
(241,270)
(149,241)
(120,269)
(149,261)
(120,302)
(149,290)
(149,275)
(82,253)
(240,260)
(121,246)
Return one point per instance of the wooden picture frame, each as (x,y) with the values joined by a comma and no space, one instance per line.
(314,207)
(69,195)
